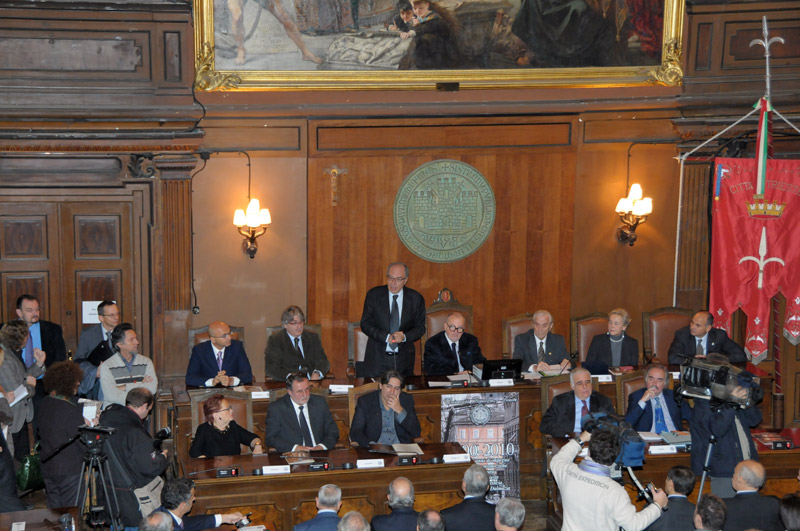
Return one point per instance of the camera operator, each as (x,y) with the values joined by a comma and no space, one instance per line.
(730,425)
(590,498)
(134,462)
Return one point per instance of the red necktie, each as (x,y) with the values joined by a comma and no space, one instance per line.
(584,409)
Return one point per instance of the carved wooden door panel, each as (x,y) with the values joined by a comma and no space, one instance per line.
(97,248)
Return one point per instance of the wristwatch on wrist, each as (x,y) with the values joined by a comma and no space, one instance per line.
(578,440)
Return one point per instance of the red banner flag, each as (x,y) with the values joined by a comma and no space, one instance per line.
(755,247)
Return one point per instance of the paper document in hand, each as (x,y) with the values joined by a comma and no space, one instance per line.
(19,393)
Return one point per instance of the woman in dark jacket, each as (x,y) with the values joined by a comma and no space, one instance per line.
(615,348)
(60,415)
(220,434)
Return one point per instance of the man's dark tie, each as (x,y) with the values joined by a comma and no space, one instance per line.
(584,409)
(297,347)
(541,351)
(699,350)
(304,428)
(394,320)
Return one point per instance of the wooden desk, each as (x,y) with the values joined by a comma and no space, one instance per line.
(39,519)
(280,502)
(781,467)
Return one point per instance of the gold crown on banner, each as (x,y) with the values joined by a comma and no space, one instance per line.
(759,207)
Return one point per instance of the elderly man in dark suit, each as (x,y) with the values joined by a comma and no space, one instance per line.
(329,501)
(295,349)
(700,339)
(678,485)
(563,417)
(749,509)
(452,350)
(474,513)
(393,319)
(219,361)
(300,420)
(403,516)
(539,348)
(385,416)
(653,408)
(94,346)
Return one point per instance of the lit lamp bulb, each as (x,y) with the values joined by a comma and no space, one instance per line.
(239,218)
(636,192)
(643,207)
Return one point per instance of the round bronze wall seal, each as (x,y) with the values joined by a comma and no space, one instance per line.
(444,211)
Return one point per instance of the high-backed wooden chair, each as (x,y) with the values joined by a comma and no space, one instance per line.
(658,330)
(242,404)
(356,350)
(198,335)
(626,384)
(553,386)
(583,329)
(512,327)
(436,316)
(316,328)
(353,395)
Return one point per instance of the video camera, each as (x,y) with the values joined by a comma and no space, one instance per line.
(632,452)
(715,378)
(160,436)
(94,437)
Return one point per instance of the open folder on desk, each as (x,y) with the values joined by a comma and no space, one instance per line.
(396,449)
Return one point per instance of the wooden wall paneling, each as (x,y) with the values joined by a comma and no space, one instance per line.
(694,253)
(351,244)
(177,243)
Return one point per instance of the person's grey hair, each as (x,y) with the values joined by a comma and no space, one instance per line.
(655,366)
(156,521)
(329,495)
(511,511)
(430,520)
(622,312)
(396,264)
(353,521)
(575,371)
(751,476)
(476,480)
(537,313)
(396,500)
(290,313)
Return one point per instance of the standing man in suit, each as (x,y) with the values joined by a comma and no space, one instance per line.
(539,348)
(177,498)
(403,516)
(299,420)
(563,417)
(453,350)
(749,509)
(615,348)
(700,339)
(385,416)
(474,512)
(94,338)
(642,404)
(219,361)
(295,349)
(678,486)
(393,319)
(329,501)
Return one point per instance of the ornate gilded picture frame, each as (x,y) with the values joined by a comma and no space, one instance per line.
(419,44)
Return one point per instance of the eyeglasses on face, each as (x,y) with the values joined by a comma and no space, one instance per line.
(390,278)
(458,329)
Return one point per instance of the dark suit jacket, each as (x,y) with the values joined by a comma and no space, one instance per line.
(203,364)
(90,338)
(367,422)
(400,519)
(375,324)
(191,523)
(525,349)
(559,419)
(679,516)
(283,428)
(751,510)
(642,419)
(727,451)
(684,346)
(9,500)
(52,342)
(600,350)
(281,358)
(474,514)
(439,357)
(326,521)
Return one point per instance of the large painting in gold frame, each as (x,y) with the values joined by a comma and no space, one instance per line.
(353,44)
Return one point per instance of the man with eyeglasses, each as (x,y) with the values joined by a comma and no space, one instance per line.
(295,349)
(393,319)
(451,351)
(219,361)
(385,416)
(94,347)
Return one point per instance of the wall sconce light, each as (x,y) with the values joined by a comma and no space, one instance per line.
(252,222)
(632,210)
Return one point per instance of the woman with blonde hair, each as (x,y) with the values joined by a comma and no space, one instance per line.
(615,348)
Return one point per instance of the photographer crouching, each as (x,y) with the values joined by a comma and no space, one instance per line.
(135,464)
(590,498)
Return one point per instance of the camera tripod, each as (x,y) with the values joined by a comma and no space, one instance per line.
(95,463)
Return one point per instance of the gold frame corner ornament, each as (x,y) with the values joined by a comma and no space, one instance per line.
(206,78)
(670,72)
